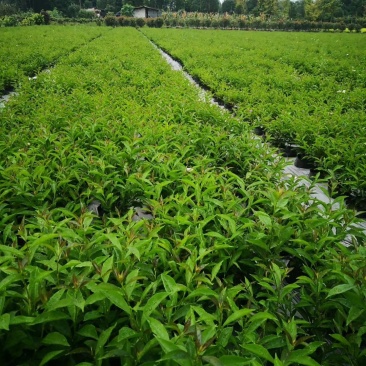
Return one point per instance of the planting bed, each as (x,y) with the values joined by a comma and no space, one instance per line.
(24,51)
(304,89)
(141,226)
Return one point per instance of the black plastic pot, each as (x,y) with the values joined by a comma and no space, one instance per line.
(289,151)
(259,131)
(314,172)
(358,204)
(304,163)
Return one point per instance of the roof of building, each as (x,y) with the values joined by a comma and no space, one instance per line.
(145,7)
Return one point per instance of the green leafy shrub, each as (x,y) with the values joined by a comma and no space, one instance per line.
(110,21)
(85,14)
(46,17)
(242,23)
(123,21)
(39,49)
(9,21)
(140,22)
(150,22)
(133,22)
(127,10)
(159,22)
(34,19)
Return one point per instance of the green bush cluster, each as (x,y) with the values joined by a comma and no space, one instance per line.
(34,19)
(226,21)
(40,48)
(124,21)
(46,17)
(24,19)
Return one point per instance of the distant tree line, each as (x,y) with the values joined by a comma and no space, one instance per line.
(66,7)
(312,10)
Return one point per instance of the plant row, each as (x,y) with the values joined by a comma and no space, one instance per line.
(142,226)
(315,102)
(235,21)
(232,22)
(38,19)
(26,51)
(190,21)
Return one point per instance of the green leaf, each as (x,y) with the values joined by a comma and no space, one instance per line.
(354,313)
(287,289)
(42,241)
(9,280)
(103,338)
(158,329)
(89,331)
(169,346)
(130,283)
(53,301)
(259,350)
(50,356)
(262,316)
(301,359)
(264,218)
(126,333)
(204,316)
(115,295)
(204,291)
(5,321)
(63,303)
(151,344)
(214,361)
(176,355)
(340,289)
(55,338)
(277,362)
(237,315)
(216,270)
(20,319)
(224,336)
(340,339)
(107,269)
(169,283)
(10,250)
(277,275)
(93,298)
(152,304)
(233,361)
(50,316)
(291,328)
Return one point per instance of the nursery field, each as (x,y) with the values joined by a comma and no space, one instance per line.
(305,89)
(26,51)
(140,225)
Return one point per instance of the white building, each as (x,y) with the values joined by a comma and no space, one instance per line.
(146,12)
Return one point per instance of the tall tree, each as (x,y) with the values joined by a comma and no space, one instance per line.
(328,9)
(297,9)
(283,10)
(241,7)
(268,7)
(252,7)
(354,8)
(228,6)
